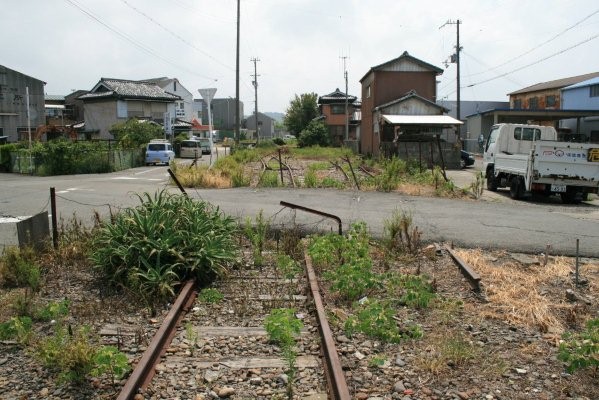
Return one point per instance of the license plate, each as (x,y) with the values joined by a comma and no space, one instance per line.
(558,188)
(157,160)
(593,155)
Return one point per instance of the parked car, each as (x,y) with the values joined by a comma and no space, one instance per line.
(191,149)
(288,137)
(466,159)
(206,145)
(159,151)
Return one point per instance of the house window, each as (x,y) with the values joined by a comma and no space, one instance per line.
(533,103)
(368,91)
(518,103)
(121,109)
(337,109)
(550,101)
(594,90)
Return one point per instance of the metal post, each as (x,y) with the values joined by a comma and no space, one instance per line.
(281,167)
(54,220)
(237,117)
(29,129)
(577,260)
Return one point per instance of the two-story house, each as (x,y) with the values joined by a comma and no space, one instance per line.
(398,101)
(581,96)
(116,100)
(181,109)
(332,109)
(266,125)
(14,122)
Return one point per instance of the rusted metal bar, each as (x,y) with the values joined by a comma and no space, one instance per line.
(54,218)
(144,371)
(472,276)
(171,173)
(313,211)
(336,377)
(351,168)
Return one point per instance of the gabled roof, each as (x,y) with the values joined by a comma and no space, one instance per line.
(411,94)
(336,97)
(556,84)
(125,89)
(588,82)
(405,56)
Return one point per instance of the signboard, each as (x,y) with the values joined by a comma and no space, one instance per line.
(168,127)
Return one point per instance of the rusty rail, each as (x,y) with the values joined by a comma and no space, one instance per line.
(472,276)
(313,211)
(144,371)
(336,377)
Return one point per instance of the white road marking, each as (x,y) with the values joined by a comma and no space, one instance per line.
(10,220)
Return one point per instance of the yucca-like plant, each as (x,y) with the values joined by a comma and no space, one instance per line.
(165,240)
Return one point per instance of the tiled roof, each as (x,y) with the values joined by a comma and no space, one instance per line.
(557,84)
(53,97)
(336,96)
(128,89)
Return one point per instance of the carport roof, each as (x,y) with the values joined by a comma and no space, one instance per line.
(543,115)
(431,120)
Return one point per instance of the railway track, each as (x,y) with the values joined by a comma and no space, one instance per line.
(209,348)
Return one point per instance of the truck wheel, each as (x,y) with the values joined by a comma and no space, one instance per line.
(491,181)
(570,197)
(516,188)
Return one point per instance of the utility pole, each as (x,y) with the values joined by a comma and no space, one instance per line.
(455,58)
(255,83)
(237,117)
(346,101)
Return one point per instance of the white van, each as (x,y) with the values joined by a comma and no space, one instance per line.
(159,151)
(191,149)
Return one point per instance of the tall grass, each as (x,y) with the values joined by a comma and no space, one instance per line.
(168,238)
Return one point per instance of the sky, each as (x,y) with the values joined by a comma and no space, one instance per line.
(302,46)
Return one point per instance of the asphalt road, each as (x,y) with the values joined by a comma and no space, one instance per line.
(496,222)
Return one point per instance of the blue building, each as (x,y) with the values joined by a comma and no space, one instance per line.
(581,96)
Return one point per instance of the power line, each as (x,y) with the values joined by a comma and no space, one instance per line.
(176,35)
(130,39)
(536,62)
(485,65)
(538,46)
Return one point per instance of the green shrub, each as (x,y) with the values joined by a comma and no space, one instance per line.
(17,328)
(310,179)
(287,266)
(375,319)
(581,350)
(256,233)
(352,279)
(413,290)
(210,295)
(5,151)
(315,134)
(18,268)
(389,179)
(269,179)
(279,142)
(108,360)
(53,311)
(329,182)
(167,239)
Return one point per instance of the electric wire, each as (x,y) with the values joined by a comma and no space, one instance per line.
(538,46)
(536,62)
(131,40)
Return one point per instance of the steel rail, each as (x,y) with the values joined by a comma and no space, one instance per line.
(470,274)
(144,371)
(313,211)
(336,377)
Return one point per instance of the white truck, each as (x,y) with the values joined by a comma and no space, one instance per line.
(529,158)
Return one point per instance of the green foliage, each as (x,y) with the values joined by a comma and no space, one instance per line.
(329,182)
(192,336)
(377,361)
(302,109)
(375,319)
(108,360)
(315,134)
(279,142)
(133,133)
(167,239)
(256,233)
(287,266)
(400,234)
(5,151)
(389,179)
(53,311)
(310,179)
(283,327)
(581,350)
(17,328)
(18,268)
(477,186)
(69,352)
(269,179)
(347,260)
(210,295)
(64,157)
(413,290)
(323,153)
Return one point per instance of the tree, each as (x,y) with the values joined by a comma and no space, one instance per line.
(133,133)
(302,109)
(315,134)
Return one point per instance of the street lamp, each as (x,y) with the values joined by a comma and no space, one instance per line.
(208,95)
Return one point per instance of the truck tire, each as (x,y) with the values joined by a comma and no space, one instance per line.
(571,197)
(516,188)
(491,181)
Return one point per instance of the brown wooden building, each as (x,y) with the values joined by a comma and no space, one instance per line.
(388,82)
(332,109)
(545,95)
